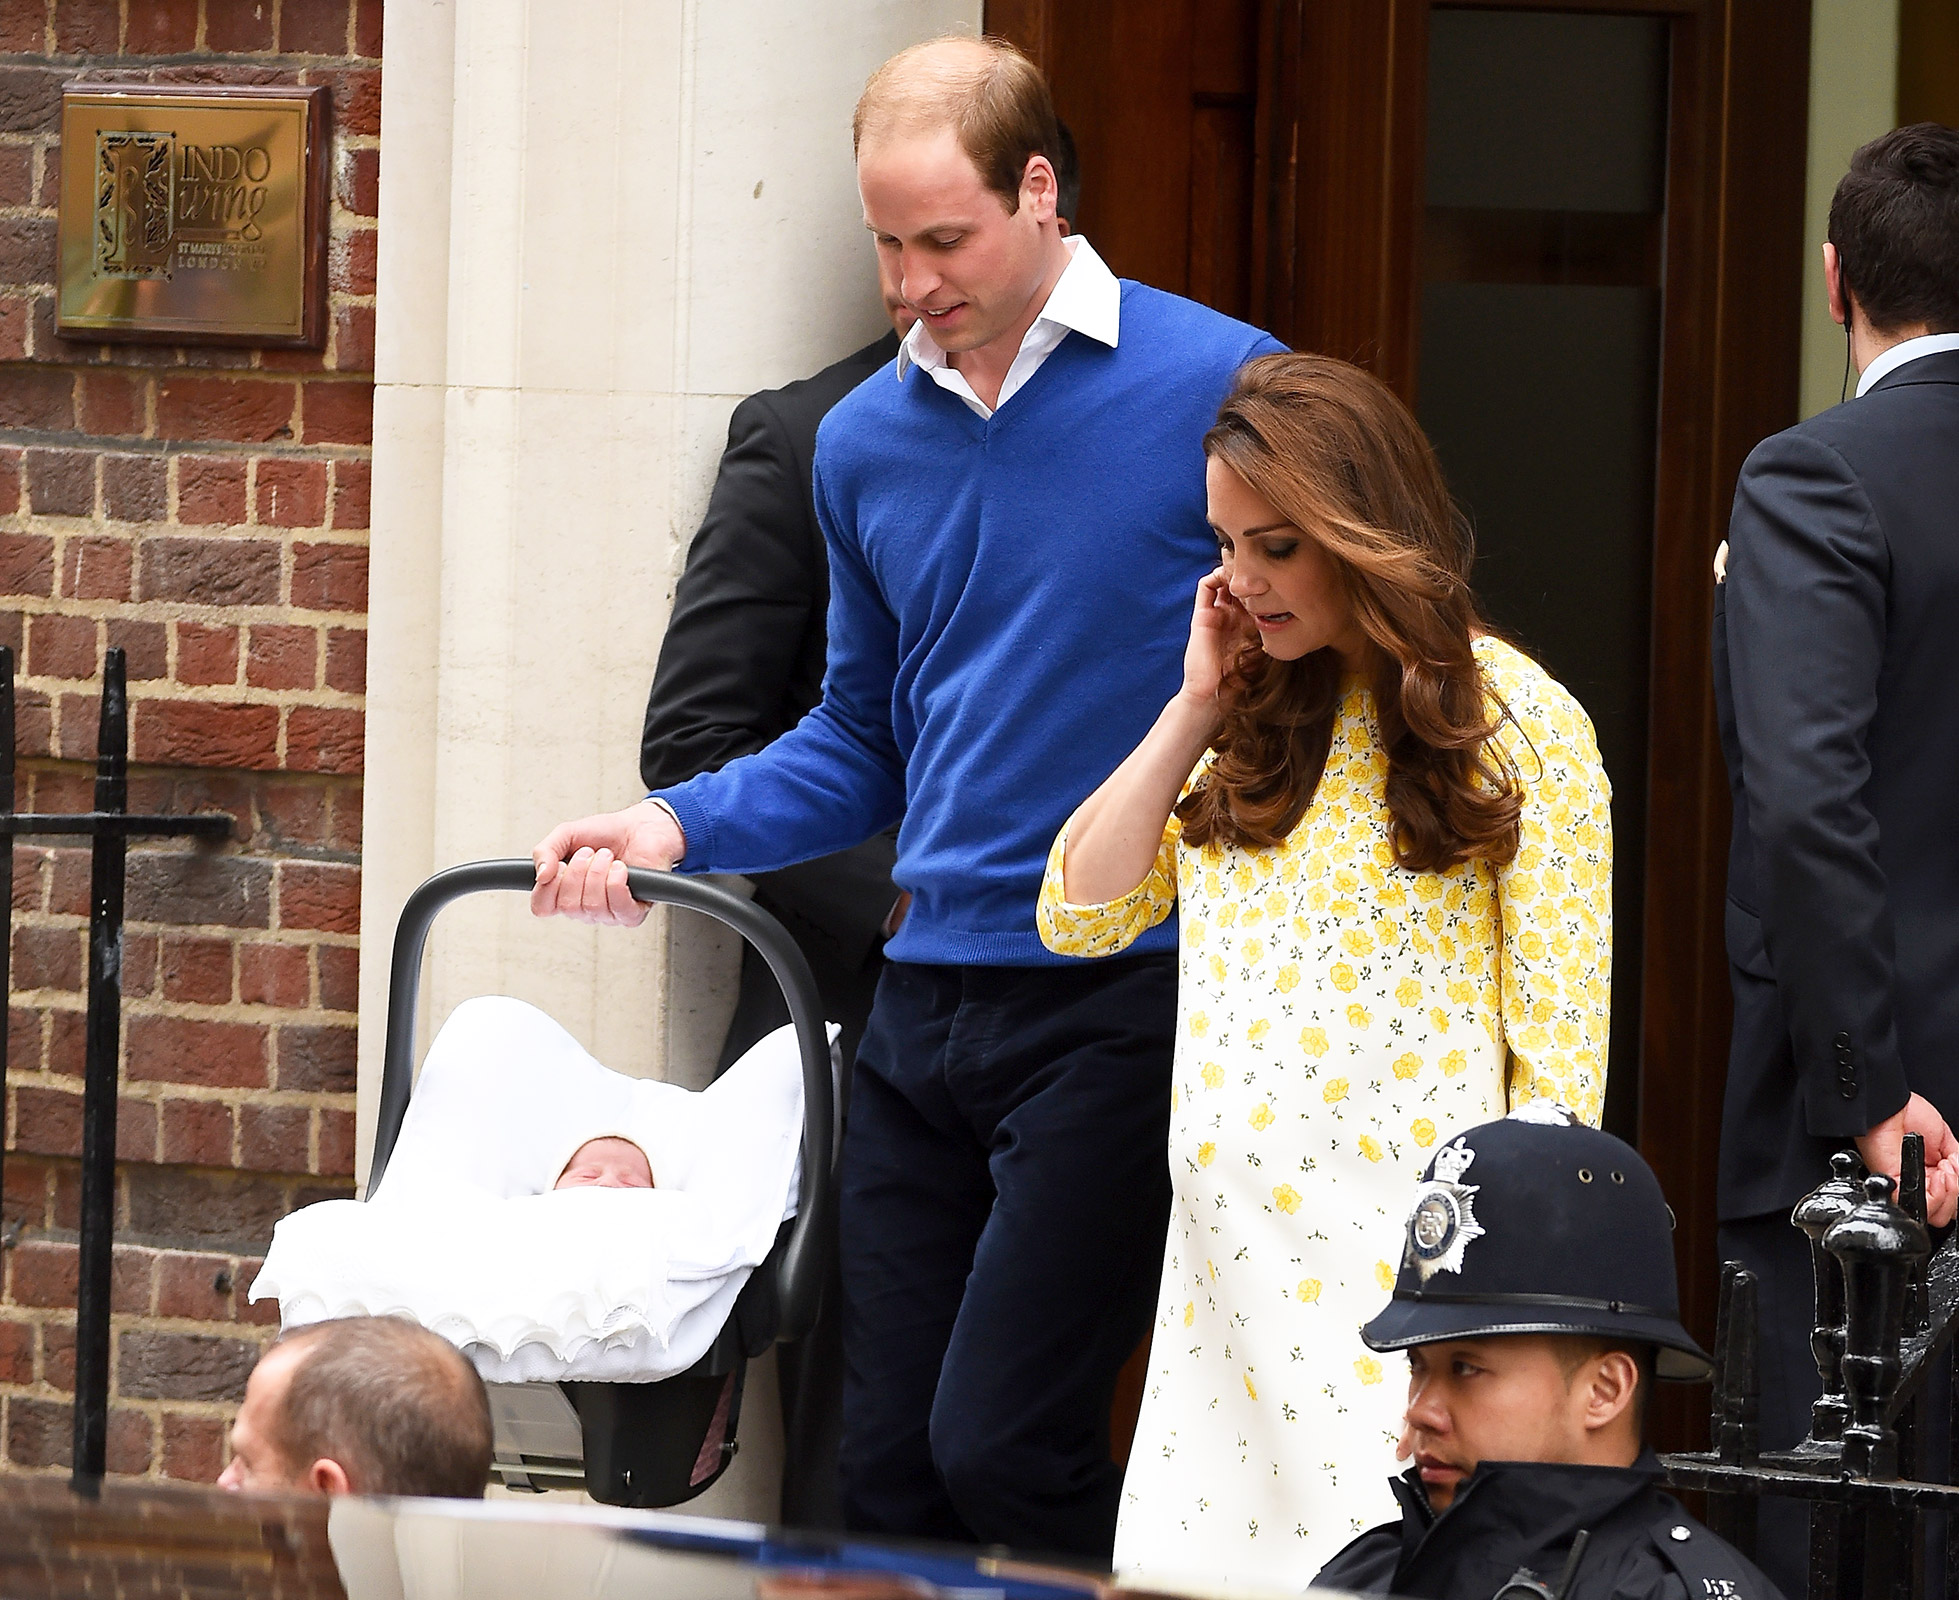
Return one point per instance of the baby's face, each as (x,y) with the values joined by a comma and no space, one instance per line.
(606,1164)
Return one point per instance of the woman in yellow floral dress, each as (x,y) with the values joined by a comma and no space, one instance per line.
(1389,833)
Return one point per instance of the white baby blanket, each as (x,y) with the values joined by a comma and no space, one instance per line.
(465,1235)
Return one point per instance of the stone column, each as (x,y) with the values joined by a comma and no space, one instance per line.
(601,226)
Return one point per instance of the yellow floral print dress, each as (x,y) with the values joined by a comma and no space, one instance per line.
(1337,1016)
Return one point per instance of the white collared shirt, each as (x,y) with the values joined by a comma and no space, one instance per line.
(1929,344)
(1087,298)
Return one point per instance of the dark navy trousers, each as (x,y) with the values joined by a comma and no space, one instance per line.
(1005,1195)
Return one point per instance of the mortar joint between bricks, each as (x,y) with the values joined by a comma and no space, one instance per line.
(131,444)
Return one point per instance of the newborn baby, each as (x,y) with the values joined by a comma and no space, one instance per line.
(673,1198)
(606,1163)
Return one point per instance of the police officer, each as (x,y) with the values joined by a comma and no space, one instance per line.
(1536,1301)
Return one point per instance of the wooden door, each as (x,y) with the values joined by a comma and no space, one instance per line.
(1271,157)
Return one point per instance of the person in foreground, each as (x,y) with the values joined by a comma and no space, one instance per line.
(742,664)
(1393,862)
(362,1405)
(1835,656)
(1537,1303)
(1019,491)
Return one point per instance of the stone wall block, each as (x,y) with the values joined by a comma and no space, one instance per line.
(204,733)
(211,571)
(61,483)
(339,977)
(275,1138)
(325,739)
(154,1365)
(330,577)
(196,1133)
(145,646)
(135,488)
(316,1060)
(283,656)
(197,970)
(314,27)
(319,895)
(40,1433)
(206,654)
(291,493)
(159,27)
(241,26)
(339,412)
(197,888)
(193,1447)
(86,27)
(191,1209)
(62,646)
(49,958)
(211,490)
(253,411)
(194,1288)
(32,397)
(27,564)
(16,1352)
(217,1055)
(114,403)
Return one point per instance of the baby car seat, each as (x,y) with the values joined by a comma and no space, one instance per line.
(660,1443)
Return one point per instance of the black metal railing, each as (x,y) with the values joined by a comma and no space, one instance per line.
(109,827)
(1886,1305)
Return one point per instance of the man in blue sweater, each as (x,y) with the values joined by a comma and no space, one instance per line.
(1016,525)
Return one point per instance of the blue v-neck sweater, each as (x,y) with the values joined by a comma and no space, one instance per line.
(1009,602)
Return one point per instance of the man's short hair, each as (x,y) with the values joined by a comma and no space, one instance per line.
(1895,223)
(992,97)
(400,1408)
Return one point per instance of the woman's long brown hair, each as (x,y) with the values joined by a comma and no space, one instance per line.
(1341,459)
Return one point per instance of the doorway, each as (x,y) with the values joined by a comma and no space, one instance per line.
(1537,375)
(1569,233)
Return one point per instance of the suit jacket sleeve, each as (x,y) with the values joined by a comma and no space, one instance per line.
(753,587)
(1808,570)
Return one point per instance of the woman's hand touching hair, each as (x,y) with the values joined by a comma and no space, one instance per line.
(1219,629)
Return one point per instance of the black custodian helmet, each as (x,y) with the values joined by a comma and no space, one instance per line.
(1539,1224)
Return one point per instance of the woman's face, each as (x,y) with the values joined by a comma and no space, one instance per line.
(1285,582)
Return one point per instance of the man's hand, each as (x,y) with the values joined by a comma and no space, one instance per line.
(1882,1150)
(581,866)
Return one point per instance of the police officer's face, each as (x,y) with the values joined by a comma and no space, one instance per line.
(1518,1397)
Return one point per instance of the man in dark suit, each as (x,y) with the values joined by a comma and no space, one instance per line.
(1836,658)
(741,663)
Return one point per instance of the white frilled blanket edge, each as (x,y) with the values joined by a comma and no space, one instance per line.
(465,1235)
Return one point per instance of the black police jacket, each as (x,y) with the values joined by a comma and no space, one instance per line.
(1515,1523)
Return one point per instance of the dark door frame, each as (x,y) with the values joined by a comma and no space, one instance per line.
(1342,109)
(1337,220)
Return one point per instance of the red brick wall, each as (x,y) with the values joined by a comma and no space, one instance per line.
(206,509)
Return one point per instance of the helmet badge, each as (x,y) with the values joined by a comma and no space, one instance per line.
(1444,1219)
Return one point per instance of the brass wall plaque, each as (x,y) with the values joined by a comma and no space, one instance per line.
(193,215)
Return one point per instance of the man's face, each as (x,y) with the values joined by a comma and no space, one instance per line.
(947,243)
(1497,1399)
(257,1461)
(902,316)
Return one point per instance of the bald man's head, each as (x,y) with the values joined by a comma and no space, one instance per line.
(992,98)
(363,1405)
